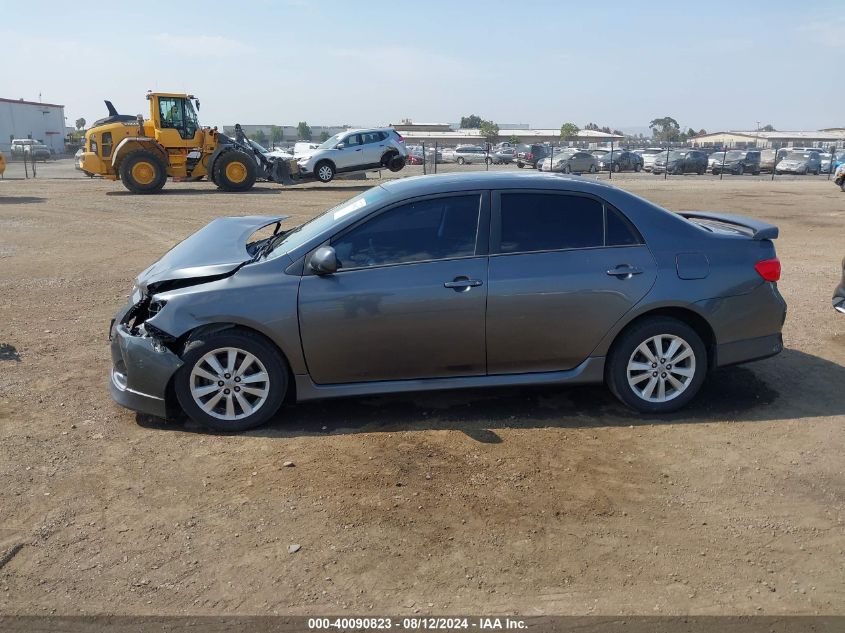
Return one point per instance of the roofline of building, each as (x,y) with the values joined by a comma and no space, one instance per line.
(38,103)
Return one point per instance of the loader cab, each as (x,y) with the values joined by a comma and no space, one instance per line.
(175,119)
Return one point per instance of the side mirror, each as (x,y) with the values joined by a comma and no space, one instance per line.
(340,146)
(324,261)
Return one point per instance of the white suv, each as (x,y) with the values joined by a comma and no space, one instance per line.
(355,150)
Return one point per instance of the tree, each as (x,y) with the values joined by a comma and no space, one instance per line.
(489,130)
(691,133)
(472,121)
(568,131)
(592,126)
(80,123)
(619,133)
(259,137)
(665,129)
(277,134)
(324,136)
(702,132)
(513,139)
(768,128)
(303,131)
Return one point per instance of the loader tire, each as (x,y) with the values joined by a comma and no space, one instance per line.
(234,171)
(143,171)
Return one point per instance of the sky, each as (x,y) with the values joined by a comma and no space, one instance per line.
(714,64)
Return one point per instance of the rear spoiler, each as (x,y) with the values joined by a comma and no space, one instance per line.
(758,229)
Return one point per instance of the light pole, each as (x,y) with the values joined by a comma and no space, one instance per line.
(757,137)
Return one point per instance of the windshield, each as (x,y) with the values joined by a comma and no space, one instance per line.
(733,155)
(331,141)
(797,156)
(675,155)
(295,238)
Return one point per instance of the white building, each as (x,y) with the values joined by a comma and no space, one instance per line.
(43,122)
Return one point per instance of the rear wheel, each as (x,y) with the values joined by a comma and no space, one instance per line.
(234,171)
(488,160)
(520,165)
(657,365)
(637,167)
(616,167)
(567,169)
(460,160)
(740,170)
(231,380)
(593,169)
(143,171)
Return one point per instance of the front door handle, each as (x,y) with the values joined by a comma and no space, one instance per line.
(462,284)
(624,271)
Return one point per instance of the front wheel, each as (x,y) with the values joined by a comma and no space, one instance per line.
(234,171)
(593,169)
(520,165)
(460,160)
(567,169)
(657,365)
(232,380)
(616,167)
(324,171)
(637,167)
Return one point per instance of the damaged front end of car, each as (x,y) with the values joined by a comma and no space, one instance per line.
(145,357)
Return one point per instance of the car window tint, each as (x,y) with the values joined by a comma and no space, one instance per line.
(540,222)
(354,139)
(370,137)
(438,228)
(620,232)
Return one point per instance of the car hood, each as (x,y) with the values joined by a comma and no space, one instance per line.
(217,249)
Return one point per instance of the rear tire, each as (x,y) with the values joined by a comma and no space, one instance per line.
(234,171)
(593,169)
(520,165)
(143,171)
(396,163)
(634,360)
(262,386)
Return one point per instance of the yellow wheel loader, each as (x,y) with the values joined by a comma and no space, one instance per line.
(143,153)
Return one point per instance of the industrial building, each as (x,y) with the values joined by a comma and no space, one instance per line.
(443,134)
(44,122)
(774,139)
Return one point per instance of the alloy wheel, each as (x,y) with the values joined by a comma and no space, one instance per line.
(661,368)
(229,383)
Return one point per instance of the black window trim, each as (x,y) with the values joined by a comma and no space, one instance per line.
(496,222)
(482,233)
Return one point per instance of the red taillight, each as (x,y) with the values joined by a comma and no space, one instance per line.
(529,156)
(768,269)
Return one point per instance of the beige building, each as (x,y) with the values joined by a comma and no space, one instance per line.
(776,139)
(449,137)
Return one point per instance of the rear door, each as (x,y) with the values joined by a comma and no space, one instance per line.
(409,297)
(373,147)
(564,267)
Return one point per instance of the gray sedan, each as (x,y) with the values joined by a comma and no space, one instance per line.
(442,282)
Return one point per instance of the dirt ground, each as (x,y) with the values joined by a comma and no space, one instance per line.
(527,501)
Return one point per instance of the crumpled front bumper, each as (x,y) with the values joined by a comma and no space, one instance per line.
(141,369)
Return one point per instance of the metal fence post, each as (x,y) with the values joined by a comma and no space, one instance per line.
(610,177)
(423,157)
(724,156)
(830,167)
(775,164)
(666,171)
(435,157)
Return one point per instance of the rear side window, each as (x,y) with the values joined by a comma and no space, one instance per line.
(542,222)
(438,228)
(620,232)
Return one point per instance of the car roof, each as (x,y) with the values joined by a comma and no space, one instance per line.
(443,183)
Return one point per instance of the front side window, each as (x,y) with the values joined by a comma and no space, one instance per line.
(438,228)
(353,140)
(548,221)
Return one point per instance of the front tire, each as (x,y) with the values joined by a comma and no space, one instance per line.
(324,171)
(520,165)
(232,380)
(143,171)
(234,171)
(657,365)
(593,169)
(460,160)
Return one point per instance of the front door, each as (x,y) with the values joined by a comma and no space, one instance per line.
(373,146)
(408,299)
(564,268)
(351,154)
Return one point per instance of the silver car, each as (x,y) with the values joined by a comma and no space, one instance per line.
(354,151)
(649,154)
(480,279)
(471,154)
(800,163)
(569,161)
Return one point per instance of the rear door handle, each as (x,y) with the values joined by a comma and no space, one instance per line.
(624,271)
(462,284)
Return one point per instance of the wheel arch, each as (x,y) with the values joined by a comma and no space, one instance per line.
(685,314)
(212,328)
(132,143)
